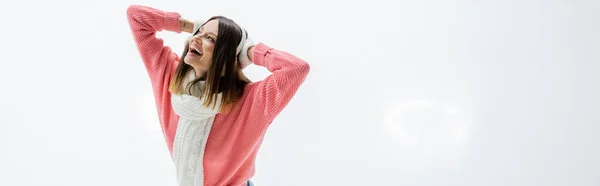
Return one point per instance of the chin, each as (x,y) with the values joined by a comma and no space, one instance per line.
(189,61)
(186,60)
(195,64)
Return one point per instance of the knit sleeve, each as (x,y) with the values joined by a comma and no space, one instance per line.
(288,73)
(145,22)
(158,59)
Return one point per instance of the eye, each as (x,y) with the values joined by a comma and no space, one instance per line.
(211,39)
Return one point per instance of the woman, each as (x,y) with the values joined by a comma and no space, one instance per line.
(213,118)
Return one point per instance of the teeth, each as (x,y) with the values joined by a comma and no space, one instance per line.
(196,51)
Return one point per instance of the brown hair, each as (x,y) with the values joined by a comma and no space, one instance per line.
(224,74)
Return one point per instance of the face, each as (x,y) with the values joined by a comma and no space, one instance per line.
(202,45)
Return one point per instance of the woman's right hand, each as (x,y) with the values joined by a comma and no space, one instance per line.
(186,25)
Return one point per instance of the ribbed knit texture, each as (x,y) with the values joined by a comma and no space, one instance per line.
(235,137)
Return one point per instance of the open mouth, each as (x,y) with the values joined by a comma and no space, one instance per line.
(194,51)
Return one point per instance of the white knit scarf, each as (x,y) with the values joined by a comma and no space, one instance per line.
(192,133)
(193,106)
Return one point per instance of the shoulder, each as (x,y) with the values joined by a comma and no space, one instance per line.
(247,109)
(251,90)
(251,99)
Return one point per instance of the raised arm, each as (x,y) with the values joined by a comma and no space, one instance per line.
(158,59)
(288,73)
(145,22)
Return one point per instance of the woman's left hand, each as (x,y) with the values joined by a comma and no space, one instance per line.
(245,56)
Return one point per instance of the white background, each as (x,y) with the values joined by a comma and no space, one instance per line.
(420,93)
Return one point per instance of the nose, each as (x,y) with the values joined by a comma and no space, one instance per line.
(197,39)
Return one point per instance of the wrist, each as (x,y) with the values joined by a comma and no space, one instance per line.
(186,25)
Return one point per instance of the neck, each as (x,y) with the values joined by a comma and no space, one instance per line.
(199,72)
